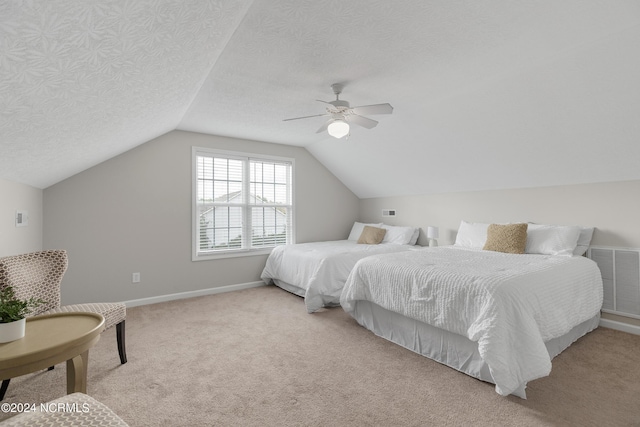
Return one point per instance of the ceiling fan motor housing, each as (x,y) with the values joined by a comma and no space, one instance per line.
(340,103)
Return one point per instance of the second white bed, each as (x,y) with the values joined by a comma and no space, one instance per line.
(318,271)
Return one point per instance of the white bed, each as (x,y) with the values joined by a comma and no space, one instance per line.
(499,317)
(317,271)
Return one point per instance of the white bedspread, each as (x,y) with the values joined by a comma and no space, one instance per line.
(320,269)
(509,304)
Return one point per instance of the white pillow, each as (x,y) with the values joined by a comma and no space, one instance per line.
(471,234)
(357,229)
(584,240)
(414,238)
(399,235)
(552,239)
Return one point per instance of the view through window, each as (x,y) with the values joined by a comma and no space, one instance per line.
(242,202)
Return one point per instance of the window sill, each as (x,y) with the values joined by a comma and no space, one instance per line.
(231,254)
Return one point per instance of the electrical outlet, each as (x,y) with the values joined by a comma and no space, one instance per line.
(135,278)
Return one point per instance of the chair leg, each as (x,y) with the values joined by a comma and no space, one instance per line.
(5,385)
(3,388)
(121,346)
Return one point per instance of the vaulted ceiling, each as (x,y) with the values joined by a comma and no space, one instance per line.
(486,94)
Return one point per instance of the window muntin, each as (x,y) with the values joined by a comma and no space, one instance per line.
(242,203)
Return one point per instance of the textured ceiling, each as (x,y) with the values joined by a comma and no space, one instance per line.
(83,81)
(486,94)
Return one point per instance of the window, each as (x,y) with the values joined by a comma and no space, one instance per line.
(242,203)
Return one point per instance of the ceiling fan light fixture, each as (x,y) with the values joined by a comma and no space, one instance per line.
(338,128)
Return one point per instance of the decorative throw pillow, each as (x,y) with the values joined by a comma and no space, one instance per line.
(508,238)
(372,235)
(357,228)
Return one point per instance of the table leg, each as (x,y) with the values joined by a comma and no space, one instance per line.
(77,373)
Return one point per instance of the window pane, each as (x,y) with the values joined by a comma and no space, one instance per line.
(268,172)
(269,182)
(235,192)
(220,191)
(204,183)
(281,194)
(227,206)
(205,168)
(220,227)
(219,179)
(220,169)
(268,193)
(256,172)
(235,170)
(268,226)
(205,191)
(281,174)
(205,216)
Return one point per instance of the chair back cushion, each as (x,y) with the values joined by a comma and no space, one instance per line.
(36,274)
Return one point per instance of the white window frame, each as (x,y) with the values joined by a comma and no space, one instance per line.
(196,254)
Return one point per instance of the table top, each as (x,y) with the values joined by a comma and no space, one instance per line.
(50,335)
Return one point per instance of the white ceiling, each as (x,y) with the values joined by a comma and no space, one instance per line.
(486,94)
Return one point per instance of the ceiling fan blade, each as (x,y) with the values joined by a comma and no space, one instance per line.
(306,117)
(324,127)
(361,121)
(373,109)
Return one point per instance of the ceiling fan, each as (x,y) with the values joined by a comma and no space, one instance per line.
(342,115)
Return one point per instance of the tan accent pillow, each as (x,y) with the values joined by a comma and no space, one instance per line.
(508,238)
(372,235)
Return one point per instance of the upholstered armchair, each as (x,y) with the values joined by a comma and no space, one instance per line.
(38,275)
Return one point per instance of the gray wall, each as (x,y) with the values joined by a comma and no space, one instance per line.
(19,197)
(610,207)
(133,214)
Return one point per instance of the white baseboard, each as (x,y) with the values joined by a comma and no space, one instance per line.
(619,326)
(191,294)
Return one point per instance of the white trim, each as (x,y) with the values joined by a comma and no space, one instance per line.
(620,313)
(623,248)
(232,254)
(192,294)
(245,156)
(619,326)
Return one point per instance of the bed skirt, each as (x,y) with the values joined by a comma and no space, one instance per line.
(296,290)
(453,350)
(321,300)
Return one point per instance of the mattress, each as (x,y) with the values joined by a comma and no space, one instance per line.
(318,271)
(509,305)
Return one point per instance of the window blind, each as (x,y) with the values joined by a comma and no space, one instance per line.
(241,203)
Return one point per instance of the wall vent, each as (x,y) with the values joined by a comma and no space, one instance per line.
(620,268)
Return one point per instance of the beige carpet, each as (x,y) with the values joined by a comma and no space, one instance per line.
(256,358)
